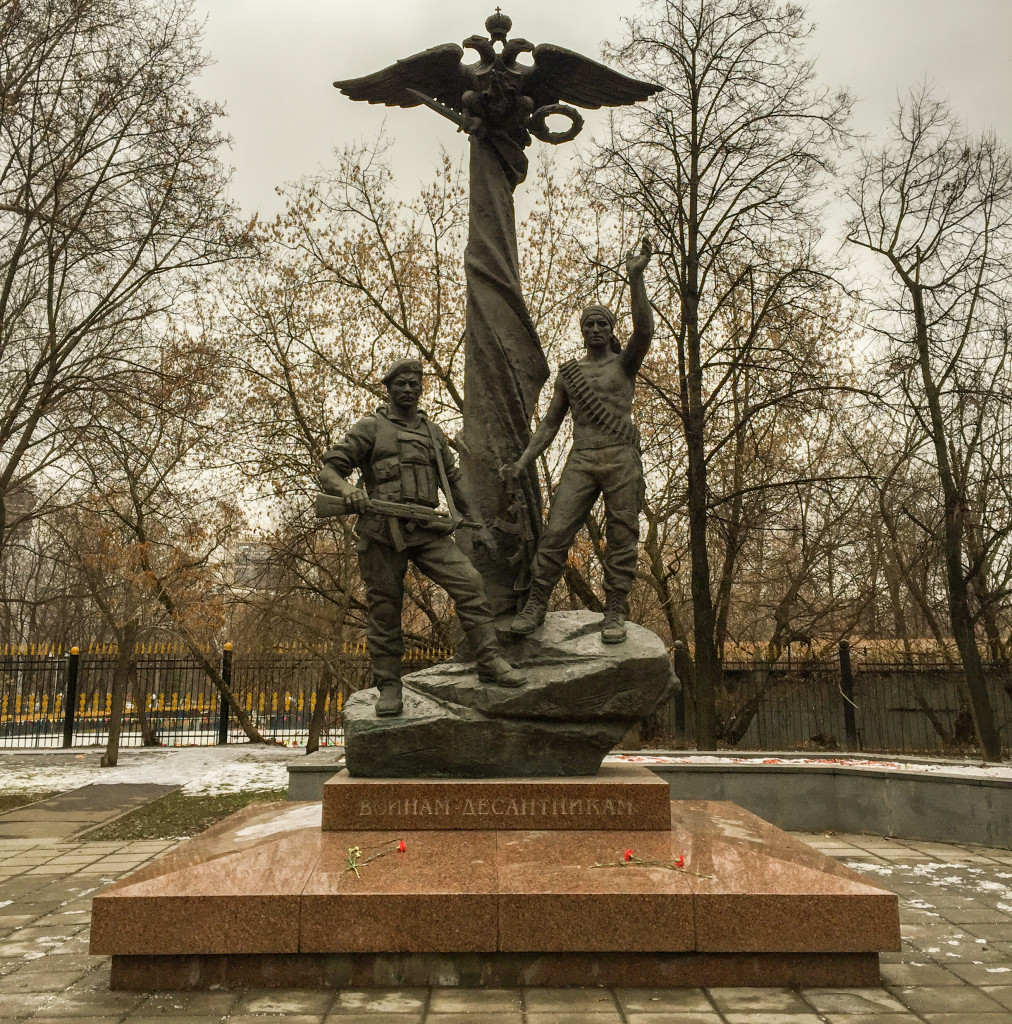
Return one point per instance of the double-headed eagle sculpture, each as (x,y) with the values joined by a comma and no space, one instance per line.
(499,93)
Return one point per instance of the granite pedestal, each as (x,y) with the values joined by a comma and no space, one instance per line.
(267,898)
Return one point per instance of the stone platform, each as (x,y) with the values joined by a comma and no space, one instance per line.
(580,697)
(266,899)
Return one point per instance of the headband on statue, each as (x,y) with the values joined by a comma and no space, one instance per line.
(615,345)
(602,310)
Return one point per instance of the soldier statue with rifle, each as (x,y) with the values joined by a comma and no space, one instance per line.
(604,458)
(405,460)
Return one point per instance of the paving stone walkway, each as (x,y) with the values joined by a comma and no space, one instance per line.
(955,966)
(78,811)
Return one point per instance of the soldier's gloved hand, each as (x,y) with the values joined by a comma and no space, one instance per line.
(357,501)
(485,540)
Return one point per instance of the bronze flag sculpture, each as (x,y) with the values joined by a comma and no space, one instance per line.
(500,104)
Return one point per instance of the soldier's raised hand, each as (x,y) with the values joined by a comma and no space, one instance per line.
(636,261)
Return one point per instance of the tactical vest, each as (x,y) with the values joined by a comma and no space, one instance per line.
(402,467)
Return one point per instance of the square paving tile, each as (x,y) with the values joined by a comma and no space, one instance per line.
(969,1018)
(474,1017)
(474,1001)
(23,1004)
(773,1017)
(872,1018)
(568,1000)
(581,1017)
(858,1000)
(360,1017)
(738,1000)
(951,998)
(92,1004)
(283,1001)
(258,1018)
(40,981)
(919,974)
(375,1001)
(1000,994)
(996,974)
(186,1004)
(663,1000)
(690,1017)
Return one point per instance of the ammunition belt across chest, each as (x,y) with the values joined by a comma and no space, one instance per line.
(582,395)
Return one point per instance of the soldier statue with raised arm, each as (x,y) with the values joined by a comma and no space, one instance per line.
(604,459)
(405,460)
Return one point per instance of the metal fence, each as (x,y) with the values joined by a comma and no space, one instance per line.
(850,702)
(171,699)
(839,704)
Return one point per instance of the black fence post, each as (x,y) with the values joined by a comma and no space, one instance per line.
(226,677)
(678,659)
(847,689)
(70,697)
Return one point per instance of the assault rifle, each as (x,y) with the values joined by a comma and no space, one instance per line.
(333,505)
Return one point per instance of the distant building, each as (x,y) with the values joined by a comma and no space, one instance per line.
(253,569)
(21,500)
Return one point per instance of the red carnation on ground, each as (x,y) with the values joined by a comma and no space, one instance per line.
(629,854)
(401,846)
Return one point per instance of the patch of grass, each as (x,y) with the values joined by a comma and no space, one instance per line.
(10,801)
(179,815)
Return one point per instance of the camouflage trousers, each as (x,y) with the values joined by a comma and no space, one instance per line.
(383,570)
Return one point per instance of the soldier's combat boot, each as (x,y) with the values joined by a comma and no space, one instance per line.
(386,677)
(493,668)
(534,611)
(613,623)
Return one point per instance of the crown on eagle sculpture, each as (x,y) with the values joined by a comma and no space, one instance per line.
(498,93)
(497,25)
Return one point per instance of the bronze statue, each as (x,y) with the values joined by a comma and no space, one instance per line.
(604,458)
(405,461)
(500,104)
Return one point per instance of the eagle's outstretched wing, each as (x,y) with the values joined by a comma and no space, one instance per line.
(560,74)
(437,72)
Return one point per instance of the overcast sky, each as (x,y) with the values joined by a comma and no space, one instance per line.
(276,62)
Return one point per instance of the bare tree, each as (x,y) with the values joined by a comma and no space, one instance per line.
(151,531)
(934,207)
(723,166)
(111,196)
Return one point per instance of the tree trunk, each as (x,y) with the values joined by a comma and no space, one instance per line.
(952,541)
(318,716)
(705,662)
(123,672)
(149,736)
(225,694)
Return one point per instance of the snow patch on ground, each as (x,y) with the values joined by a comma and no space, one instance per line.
(199,770)
(977,771)
(939,874)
